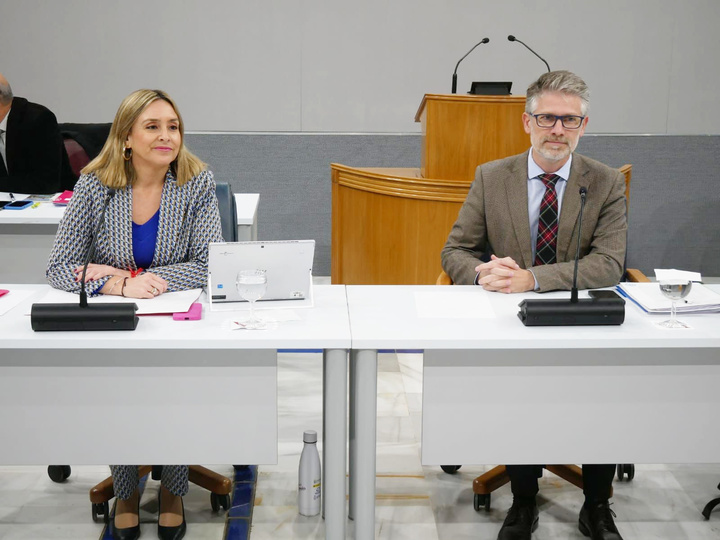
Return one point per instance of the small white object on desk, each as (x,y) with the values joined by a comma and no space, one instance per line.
(672,273)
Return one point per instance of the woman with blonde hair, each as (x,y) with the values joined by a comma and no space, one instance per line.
(154,239)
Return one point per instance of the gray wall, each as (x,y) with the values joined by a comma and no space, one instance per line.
(360,66)
(674,202)
(293,85)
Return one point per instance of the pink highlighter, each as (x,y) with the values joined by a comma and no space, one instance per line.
(192,314)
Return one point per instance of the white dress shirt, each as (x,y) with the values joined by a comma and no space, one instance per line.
(3,139)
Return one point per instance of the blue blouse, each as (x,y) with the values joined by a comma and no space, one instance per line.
(143,240)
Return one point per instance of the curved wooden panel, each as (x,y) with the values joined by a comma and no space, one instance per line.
(406,183)
(388,229)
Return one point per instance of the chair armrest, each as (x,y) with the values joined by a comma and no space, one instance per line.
(635,275)
(443,279)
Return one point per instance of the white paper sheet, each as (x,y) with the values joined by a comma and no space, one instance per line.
(172,302)
(5,196)
(13,298)
(454,303)
(270,317)
(672,273)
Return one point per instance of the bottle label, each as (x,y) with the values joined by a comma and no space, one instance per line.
(316,488)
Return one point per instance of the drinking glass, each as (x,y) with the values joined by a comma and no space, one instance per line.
(675,290)
(251,286)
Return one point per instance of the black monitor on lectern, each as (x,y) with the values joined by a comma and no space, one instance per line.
(490,88)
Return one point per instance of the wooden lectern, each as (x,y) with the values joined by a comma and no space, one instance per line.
(390,224)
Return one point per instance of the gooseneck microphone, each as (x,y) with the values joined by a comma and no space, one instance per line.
(574,291)
(84,316)
(91,251)
(454,77)
(513,38)
(573,312)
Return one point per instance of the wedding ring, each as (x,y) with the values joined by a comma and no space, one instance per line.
(154,291)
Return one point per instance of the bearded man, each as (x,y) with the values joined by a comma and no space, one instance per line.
(517,232)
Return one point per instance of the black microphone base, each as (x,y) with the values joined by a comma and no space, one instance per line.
(561,312)
(71,317)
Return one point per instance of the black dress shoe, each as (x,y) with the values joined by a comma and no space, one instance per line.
(596,521)
(520,522)
(128,533)
(173,533)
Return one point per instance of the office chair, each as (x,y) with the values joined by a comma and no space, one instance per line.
(228,211)
(77,157)
(83,143)
(218,485)
(497,477)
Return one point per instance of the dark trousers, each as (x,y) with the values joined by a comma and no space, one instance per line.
(597,480)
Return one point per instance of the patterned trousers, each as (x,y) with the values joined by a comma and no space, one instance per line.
(174,478)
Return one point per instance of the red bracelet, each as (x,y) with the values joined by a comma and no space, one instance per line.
(135,273)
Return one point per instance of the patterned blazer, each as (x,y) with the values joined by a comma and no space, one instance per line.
(494,219)
(189,221)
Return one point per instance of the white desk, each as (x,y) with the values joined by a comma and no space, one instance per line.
(27,236)
(65,396)
(654,391)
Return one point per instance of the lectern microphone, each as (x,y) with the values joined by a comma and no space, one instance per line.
(454,77)
(84,316)
(573,312)
(513,38)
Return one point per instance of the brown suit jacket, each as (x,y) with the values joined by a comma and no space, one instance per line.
(494,219)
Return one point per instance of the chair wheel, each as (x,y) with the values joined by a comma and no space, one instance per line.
(216,501)
(59,473)
(450,469)
(625,469)
(481,501)
(101,509)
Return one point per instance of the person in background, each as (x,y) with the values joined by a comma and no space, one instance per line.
(32,154)
(521,217)
(154,239)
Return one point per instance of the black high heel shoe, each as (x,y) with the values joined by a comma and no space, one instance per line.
(171,533)
(128,533)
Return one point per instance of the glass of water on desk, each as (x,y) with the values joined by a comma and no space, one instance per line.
(675,290)
(251,286)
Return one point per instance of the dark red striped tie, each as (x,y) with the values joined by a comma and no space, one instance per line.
(545,251)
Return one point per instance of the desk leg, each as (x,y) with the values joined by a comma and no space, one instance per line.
(352,439)
(363,425)
(334,441)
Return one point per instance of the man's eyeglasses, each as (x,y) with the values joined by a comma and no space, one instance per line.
(549,120)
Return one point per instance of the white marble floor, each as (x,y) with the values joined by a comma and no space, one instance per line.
(663,502)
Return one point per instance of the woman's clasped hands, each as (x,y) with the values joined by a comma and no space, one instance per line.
(124,282)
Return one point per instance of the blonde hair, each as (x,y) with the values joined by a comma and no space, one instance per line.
(111,167)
